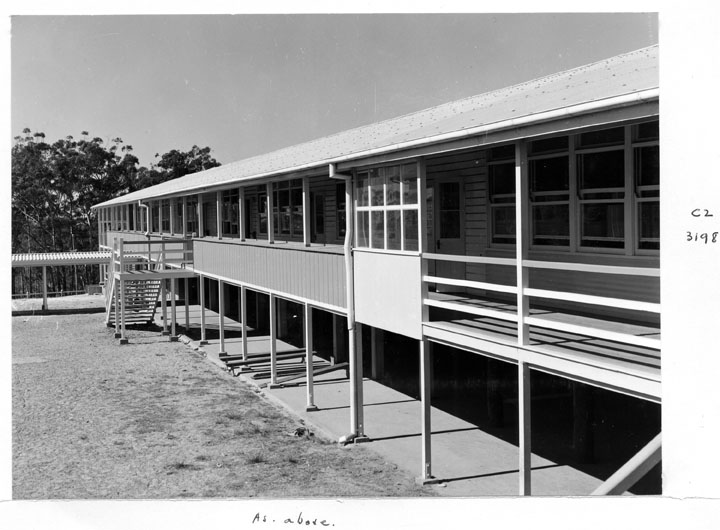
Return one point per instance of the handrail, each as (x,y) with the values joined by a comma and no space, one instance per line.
(635,469)
(527,292)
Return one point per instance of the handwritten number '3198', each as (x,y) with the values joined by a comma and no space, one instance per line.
(704,237)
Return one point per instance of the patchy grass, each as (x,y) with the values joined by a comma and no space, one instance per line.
(153,419)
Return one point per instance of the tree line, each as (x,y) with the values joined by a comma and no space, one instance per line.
(54,186)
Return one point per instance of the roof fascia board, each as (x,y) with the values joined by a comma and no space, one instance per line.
(564,126)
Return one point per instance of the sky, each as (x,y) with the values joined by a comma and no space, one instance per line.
(248,84)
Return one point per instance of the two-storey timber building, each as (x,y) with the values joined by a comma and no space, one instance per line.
(473,245)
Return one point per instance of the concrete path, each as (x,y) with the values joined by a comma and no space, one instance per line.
(469,461)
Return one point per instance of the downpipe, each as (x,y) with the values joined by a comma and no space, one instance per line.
(357,433)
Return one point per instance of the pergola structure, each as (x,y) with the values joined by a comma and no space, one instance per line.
(58,259)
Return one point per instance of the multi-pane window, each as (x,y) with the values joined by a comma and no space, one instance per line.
(600,159)
(177,223)
(155,217)
(318,217)
(340,209)
(131,217)
(646,166)
(191,222)
(387,208)
(230,212)
(165,215)
(501,175)
(262,221)
(549,179)
(597,190)
(287,209)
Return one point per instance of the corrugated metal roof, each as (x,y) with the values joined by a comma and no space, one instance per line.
(59,258)
(624,74)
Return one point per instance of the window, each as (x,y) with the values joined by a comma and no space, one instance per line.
(155,218)
(262,210)
(318,217)
(501,175)
(595,191)
(230,212)
(165,215)
(178,218)
(191,223)
(340,209)
(646,167)
(549,179)
(287,209)
(387,208)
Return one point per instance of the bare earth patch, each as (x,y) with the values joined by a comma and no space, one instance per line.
(153,419)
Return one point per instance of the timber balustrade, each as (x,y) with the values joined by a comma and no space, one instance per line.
(151,254)
(472,303)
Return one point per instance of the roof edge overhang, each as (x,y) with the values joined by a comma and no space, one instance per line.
(605,104)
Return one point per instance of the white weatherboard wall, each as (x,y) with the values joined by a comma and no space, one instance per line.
(387,292)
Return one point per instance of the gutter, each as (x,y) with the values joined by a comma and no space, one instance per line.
(642,96)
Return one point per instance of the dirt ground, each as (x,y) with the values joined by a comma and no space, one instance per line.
(153,419)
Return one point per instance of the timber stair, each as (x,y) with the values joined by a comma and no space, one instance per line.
(139,303)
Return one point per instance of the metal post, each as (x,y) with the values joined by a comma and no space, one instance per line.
(243,320)
(163,304)
(273,345)
(426,410)
(524,428)
(45,297)
(203,338)
(187,304)
(123,336)
(221,316)
(306,211)
(309,365)
(270,214)
(241,214)
(522,235)
(219,213)
(173,312)
(356,376)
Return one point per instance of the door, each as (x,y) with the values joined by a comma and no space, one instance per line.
(449,230)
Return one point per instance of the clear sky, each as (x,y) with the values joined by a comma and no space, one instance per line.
(248,84)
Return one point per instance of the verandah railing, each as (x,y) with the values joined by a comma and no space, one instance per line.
(522,317)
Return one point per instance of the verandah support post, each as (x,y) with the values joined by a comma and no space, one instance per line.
(306,210)
(356,375)
(203,338)
(163,305)
(273,341)
(309,358)
(243,320)
(426,475)
(221,315)
(269,211)
(45,297)
(219,213)
(522,239)
(173,311)
(525,431)
(123,336)
(187,304)
(241,214)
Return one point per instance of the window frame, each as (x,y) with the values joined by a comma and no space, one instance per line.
(632,193)
(384,210)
